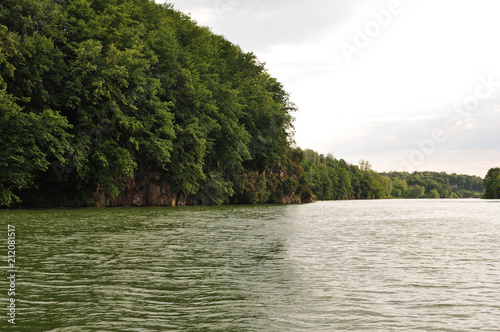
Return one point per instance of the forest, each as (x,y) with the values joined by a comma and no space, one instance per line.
(332,179)
(128,102)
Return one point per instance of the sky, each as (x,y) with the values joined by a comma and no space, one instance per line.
(407,85)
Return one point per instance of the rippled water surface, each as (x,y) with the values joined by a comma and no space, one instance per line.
(429,265)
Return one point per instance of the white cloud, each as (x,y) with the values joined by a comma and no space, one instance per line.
(396,90)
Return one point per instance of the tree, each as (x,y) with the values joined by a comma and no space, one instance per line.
(416,191)
(28,144)
(434,194)
(492,184)
(400,188)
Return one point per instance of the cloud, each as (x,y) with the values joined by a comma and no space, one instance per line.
(395,92)
(468,146)
(261,24)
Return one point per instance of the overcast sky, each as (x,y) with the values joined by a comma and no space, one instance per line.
(407,85)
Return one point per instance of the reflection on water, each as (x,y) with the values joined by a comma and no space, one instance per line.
(360,265)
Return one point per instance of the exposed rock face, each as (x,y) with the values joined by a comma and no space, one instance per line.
(294,199)
(145,189)
(289,200)
(148,189)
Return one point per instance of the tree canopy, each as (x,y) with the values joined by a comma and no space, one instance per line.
(111,88)
(492,184)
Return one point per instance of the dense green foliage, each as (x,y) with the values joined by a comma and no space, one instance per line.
(435,185)
(329,178)
(109,89)
(27,141)
(492,184)
(102,97)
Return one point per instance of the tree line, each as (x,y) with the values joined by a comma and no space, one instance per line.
(332,179)
(104,97)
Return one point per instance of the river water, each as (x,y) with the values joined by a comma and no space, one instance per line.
(391,265)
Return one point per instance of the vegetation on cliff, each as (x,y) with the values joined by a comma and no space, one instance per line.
(127,102)
(94,93)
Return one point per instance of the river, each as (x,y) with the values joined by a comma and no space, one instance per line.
(388,265)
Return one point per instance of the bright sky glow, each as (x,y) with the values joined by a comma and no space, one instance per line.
(407,85)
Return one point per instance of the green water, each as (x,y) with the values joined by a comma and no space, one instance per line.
(431,265)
